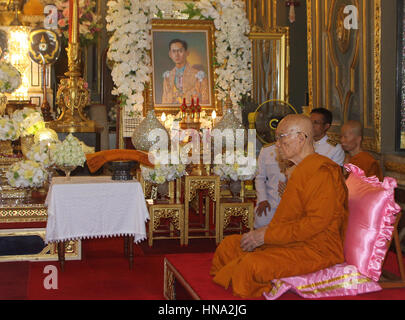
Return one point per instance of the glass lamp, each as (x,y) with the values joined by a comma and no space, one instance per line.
(18,57)
(45,134)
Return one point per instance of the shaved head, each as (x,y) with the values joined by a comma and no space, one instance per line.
(297,122)
(294,137)
(351,137)
(354,126)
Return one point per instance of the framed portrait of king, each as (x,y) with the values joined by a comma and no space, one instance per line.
(182,62)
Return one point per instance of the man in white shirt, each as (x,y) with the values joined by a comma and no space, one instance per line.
(321,121)
(267,180)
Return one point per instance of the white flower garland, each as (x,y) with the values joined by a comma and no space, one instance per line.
(26,173)
(130,24)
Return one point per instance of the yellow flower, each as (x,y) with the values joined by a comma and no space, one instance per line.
(28,174)
(160,179)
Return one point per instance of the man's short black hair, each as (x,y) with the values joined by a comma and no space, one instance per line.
(183,43)
(327,115)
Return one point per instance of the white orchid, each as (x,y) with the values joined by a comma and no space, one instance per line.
(10,77)
(130,25)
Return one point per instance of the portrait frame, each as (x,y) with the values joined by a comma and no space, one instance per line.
(199,35)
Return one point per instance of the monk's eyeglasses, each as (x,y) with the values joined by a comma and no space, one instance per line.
(281,136)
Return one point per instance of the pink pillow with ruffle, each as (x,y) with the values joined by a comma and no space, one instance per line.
(372,213)
(336,281)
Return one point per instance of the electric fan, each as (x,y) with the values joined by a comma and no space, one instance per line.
(267,116)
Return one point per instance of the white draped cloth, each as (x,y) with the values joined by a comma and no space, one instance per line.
(94,207)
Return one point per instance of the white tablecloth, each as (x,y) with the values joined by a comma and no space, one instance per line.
(92,207)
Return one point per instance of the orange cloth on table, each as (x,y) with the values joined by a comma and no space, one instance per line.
(368,164)
(305,235)
(96,160)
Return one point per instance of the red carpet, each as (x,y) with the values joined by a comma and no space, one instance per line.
(103,273)
(13,280)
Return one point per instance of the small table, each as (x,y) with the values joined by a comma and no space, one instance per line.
(93,207)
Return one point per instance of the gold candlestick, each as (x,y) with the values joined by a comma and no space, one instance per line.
(72,95)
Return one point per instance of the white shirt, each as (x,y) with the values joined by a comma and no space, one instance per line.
(266,183)
(330,149)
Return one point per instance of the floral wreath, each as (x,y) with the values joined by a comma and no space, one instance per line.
(130,25)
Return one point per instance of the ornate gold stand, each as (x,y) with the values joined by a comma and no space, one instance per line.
(235,209)
(192,185)
(72,95)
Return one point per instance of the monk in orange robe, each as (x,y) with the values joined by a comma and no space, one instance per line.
(351,139)
(307,231)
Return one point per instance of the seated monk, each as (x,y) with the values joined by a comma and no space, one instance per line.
(351,138)
(307,231)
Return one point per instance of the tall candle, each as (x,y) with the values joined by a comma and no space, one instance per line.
(73,21)
(70,19)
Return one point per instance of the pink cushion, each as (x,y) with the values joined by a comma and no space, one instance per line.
(372,213)
(338,280)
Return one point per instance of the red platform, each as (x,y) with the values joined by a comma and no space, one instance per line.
(190,272)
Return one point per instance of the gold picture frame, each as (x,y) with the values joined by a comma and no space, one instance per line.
(271,64)
(198,73)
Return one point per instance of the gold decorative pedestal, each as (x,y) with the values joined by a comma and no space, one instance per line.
(174,212)
(235,209)
(191,185)
(26,144)
(6,148)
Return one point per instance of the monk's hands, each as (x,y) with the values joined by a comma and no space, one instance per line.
(262,208)
(253,239)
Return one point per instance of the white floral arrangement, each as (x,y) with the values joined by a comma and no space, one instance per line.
(30,121)
(68,153)
(240,169)
(130,42)
(41,152)
(163,172)
(26,174)
(10,77)
(90,23)
(9,129)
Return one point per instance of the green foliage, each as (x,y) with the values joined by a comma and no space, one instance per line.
(192,11)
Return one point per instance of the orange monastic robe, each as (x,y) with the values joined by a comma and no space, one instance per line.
(305,235)
(368,164)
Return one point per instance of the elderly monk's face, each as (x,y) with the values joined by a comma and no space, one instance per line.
(287,141)
(349,139)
